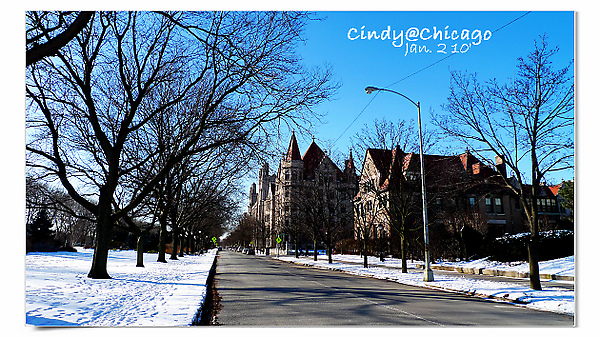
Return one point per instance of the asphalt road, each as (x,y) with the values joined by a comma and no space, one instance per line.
(264,292)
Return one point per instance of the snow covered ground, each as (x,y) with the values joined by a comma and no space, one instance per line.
(563,267)
(549,299)
(59,293)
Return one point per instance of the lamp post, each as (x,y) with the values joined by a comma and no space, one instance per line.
(428,273)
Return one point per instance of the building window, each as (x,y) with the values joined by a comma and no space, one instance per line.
(489,208)
(499,206)
(472,202)
(547,205)
(494,205)
(412,176)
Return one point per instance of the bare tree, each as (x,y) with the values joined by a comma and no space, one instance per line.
(242,233)
(397,198)
(324,205)
(401,202)
(224,77)
(70,219)
(47,32)
(527,123)
(384,134)
(367,216)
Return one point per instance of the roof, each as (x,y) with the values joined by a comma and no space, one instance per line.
(554,189)
(441,170)
(312,157)
(293,152)
(381,158)
(543,190)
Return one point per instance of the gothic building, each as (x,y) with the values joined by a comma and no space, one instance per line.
(459,188)
(390,186)
(277,201)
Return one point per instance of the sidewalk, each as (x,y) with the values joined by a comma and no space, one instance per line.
(496,272)
(548,271)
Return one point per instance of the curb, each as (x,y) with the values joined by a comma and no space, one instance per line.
(496,272)
(503,298)
(427,286)
(201,317)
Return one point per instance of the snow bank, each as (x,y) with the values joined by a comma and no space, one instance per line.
(59,293)
(564,266)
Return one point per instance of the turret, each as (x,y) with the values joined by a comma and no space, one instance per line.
(293,152)
(252,197)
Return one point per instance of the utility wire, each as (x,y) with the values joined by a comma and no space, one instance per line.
(416,72)
(363,110)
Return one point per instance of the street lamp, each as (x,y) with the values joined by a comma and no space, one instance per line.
(428,273)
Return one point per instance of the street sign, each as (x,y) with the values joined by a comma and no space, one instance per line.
(278,239)
(214,239)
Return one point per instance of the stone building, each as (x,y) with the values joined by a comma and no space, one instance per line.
(459,188)
(277,199)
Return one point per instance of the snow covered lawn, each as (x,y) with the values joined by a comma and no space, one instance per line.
(58,291)
(549,299)
(563,267)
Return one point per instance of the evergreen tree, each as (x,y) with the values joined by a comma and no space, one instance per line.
(41,228)
(567,192)
(41,234)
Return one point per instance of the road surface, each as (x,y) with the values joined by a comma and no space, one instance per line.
(256,290)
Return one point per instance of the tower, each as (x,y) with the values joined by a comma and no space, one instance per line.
(252,197)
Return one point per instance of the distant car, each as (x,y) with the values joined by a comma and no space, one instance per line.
(245,251)
(250,251)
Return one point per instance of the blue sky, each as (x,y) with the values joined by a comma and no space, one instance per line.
(336,40)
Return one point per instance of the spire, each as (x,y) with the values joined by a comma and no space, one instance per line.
(350,163)
(293,152)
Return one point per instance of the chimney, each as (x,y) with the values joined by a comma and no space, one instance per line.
(501,166)
(476,168)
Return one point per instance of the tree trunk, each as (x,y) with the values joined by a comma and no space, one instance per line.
(162,241)
(534,269)
(329,253)
(463,247)
(174,245)
(192,245)
(296,253)
(403,251)
(103,236)
(365,261)
(140,250)
(181,244)
(315,253)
